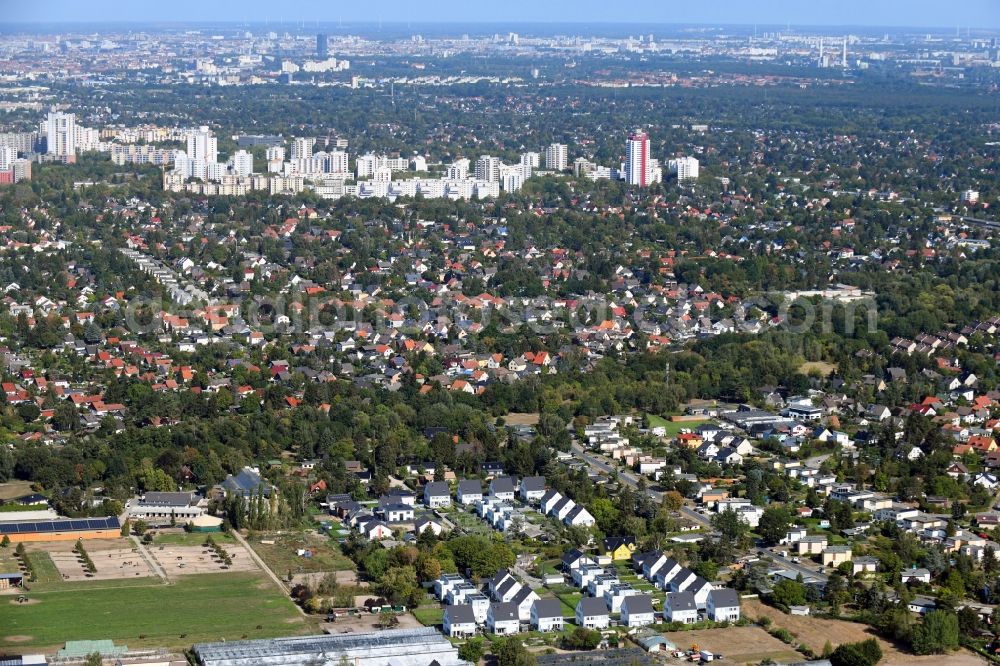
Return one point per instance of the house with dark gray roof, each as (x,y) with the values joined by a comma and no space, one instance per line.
(546,615)
(637,611)
(470,491)
(592,613)
(437,494)
(680,607)
(459,621)
(532,488)
(723,605)
(248,483)
(502,619)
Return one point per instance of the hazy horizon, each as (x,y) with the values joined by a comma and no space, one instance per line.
(921,14)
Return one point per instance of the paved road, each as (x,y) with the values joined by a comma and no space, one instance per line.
(786,563)
(150,560)
(599,463)
(816,461)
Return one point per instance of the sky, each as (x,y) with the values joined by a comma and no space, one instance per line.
(903,13)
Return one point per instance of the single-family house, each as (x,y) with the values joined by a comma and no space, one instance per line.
(723,605)
(437,494)
(532,489)
(502,619)
(637,611)
(470,491)
(459,621)
(546,615)
(680,607)
(592,613)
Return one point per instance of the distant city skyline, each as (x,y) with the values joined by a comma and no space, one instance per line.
(975,14)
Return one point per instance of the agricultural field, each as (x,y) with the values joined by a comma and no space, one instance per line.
(210,607)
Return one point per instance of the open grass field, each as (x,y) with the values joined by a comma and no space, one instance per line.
(429,616)
(181,538)
(13,489)
(673,428)
(821,367)
(522,418)
(282,555)
(43,566)
(738,645)
(195,608)
(814,632)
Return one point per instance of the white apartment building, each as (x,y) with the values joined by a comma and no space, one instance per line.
(556,157)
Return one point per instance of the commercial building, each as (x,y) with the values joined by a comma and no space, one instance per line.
(69,529)
(396,647)
(322,46)
(162,507)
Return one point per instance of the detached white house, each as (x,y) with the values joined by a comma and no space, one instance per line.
(637,611)
(470,491)
(579,516)
(502,488)
(592,613)
(532,488)
(502,619)
(723,605)
(546,615)
(437,494)
(680,607)
(459,621)
(915,576)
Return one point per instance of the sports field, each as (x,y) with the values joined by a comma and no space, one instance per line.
(208,607)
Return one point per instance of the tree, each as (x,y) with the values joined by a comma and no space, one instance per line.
(672,500)
(400,586)
(606,515)
(968,621)
(774,524)
(937,633)
(582,639)
(93,659)
(473,650)
(789,593)
(511,652)
(733,529)
(862,653)
(65,416)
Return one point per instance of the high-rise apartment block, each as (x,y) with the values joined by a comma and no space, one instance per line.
(556,157)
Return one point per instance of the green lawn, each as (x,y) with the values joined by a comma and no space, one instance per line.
(190,538)
(44,568)
(429,615)
(673,427)
(207,607)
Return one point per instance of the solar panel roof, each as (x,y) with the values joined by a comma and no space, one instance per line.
(65,525)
